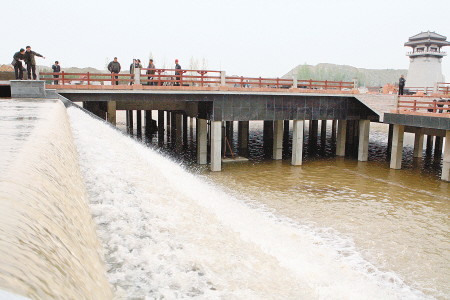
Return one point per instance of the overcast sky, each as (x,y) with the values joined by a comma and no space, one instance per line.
(241,37)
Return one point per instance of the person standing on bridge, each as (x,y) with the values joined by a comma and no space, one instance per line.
(114,67)
(177,67)
(151,71)
(30,60)
(401,85)
(56,69)
(17,64)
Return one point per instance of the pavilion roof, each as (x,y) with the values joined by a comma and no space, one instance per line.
(427,38)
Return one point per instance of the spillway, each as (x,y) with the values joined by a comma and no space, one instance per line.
(48,244)
(170,233)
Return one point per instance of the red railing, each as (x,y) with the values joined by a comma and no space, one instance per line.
(90,78)
(164,77)
(425,105)
(161,77)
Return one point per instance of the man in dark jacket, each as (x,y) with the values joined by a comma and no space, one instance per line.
(132,67)
(114,67)
(18,67)
(56,69)
(30,60)
(401,85)
(177,67)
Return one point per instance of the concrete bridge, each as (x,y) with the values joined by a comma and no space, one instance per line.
(215,108)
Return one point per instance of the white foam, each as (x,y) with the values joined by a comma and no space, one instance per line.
(170,233)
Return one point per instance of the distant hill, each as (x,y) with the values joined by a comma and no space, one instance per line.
(332,72)
(74,70)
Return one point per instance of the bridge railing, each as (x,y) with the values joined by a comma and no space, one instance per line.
(202,78)
(424,105)
(87,78)
(164,77)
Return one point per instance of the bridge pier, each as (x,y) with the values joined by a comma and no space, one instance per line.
(297,142)
(228,137)
(445,175)
(333,131)
(111,112)
(418,144)
(268,138)
(139,123)
(341,137)
(278,139)
(363,148)
(323,133)
(160,128)
(313,132)
(397,146)
(202,141)
(216,147)
(178,132)
(243,131)
(438,146)
(130,122)
(429,147)
(286,137)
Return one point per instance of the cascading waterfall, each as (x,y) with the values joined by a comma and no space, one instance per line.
(48,245)
(171,234)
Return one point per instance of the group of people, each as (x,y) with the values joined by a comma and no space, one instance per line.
(114,67)
(29,57)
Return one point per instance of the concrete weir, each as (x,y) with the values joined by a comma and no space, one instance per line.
(48,244)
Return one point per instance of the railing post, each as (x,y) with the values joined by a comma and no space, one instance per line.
(396,100)
(137,75)
(260,82)
(278,83)
(63,81)
(223,77)
(310,84)
(436,88)
(435,106)
(294,81)
(89,79)
(325,85)
(355,83)
(415,105)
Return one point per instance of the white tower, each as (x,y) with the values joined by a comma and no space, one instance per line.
(425,67)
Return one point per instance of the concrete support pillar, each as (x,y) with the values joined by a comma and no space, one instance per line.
(389,143)
(341,137)
(139,122)
(323,132)
(297,142)
(313,129)
(243,129)
(446,162)
(286,136)
(202,134)
(418,144)
(229,137)
(185,130)
(278,139)
(179,132)
(216,147)
(111,112)
(429,148)
(268,138)
(438,146)
(397,147)
(160,127)
(333,130)
(173,126)
(130,121)
(363,148)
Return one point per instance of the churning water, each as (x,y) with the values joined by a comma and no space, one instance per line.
(330,229)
